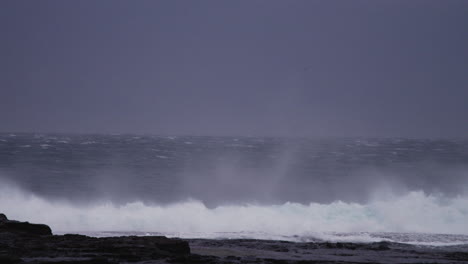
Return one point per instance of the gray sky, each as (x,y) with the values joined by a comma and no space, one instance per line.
(295,68)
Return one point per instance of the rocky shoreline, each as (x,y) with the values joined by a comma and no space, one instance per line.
(23,242)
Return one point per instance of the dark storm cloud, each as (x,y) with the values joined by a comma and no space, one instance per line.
(307,68)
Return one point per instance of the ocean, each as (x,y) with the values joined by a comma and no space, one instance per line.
(400,190)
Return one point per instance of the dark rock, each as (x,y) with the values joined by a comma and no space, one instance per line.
(23,228)
(3,218)
(276,261)
(84,249)
(461,256)
(194,259)
(22,241)
(9,260)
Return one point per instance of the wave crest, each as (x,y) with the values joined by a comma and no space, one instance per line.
(413,212)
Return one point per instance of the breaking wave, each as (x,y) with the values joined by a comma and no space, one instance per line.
(415,212)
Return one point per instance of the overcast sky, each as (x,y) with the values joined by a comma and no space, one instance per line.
(293,68)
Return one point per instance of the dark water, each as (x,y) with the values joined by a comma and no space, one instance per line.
(219,170)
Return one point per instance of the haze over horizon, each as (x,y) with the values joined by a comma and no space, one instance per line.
(267,68)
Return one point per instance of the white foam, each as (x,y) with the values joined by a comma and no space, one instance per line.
(413,212)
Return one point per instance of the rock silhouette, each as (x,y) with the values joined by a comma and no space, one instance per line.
(24,228)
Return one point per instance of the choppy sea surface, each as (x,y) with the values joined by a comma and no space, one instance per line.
(349,189)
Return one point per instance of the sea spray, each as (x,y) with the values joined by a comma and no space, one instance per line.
(412,212)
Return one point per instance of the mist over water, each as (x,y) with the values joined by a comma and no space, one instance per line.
(414,212)
(228,186)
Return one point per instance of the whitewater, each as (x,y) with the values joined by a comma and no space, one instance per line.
(203,187)
(413,213)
